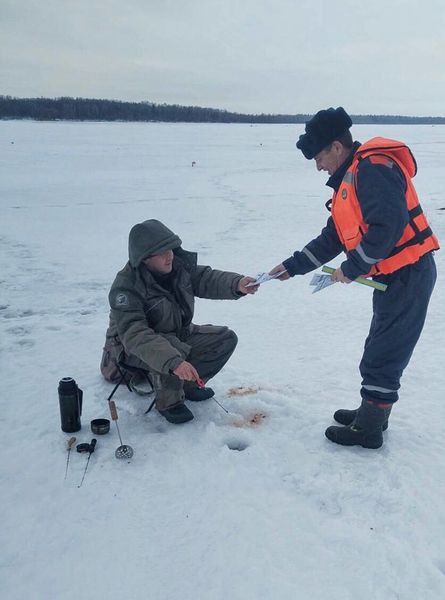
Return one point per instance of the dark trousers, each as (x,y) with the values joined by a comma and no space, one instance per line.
(211,348)
(398,317)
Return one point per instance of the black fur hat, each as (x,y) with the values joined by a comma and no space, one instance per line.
(324,128)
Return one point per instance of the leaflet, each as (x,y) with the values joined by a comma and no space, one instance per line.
(263,277)
(320,282)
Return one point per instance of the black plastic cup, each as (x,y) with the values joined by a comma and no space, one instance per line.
(100,426)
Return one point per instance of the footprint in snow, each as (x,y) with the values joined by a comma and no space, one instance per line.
(18,330)
(26,343)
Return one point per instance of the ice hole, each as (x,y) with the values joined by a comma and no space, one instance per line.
(235,444)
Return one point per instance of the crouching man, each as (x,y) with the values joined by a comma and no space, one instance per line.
(151,329)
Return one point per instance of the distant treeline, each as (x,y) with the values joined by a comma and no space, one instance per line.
(85,109)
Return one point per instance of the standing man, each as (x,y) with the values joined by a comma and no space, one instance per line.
(376,219)
(151,330)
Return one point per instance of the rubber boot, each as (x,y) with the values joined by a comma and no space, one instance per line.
(346,417)
(197,394)
(178,414)
(365,430)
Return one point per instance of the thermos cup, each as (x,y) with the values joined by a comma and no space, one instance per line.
(70,402)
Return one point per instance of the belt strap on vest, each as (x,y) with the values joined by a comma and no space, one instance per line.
(419,236)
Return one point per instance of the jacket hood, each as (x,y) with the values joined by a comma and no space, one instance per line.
(150,237)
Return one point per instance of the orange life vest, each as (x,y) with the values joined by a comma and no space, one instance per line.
(417,238)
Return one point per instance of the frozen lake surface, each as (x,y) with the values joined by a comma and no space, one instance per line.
(291,516)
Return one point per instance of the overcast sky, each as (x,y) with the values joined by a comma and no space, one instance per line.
(275,56)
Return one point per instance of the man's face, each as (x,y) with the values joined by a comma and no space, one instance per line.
(160,263)
(331,158)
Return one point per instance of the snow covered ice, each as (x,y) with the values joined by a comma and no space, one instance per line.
(285,514)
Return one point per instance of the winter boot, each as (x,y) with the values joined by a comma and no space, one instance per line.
(177,414)
(197,394)
(346,417)
(365,430)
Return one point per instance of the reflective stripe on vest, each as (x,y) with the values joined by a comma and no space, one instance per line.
(417,238)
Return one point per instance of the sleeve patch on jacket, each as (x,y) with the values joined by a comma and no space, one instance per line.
(122,299)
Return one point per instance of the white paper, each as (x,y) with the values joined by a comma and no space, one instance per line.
(320,282)
(263,277)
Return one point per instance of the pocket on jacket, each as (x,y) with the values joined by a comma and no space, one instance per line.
(111,354)
(156,310)
(352,235)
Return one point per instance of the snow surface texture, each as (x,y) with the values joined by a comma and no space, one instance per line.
(291,515)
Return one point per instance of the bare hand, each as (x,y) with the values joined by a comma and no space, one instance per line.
(278,269)
(338,275)
(186,371)
(252,289)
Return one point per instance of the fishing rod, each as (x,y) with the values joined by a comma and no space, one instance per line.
(69,445)
(86,448)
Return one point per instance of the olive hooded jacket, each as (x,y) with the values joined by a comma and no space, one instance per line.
(151,319)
